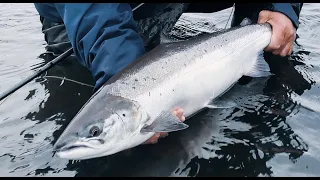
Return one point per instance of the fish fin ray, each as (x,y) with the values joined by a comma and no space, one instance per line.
(260,68)
(245,21)
(165,39)
(221,103)
(165,122)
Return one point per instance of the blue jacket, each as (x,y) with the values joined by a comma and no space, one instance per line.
(104,36)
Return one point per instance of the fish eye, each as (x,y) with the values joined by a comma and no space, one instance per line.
(94,131)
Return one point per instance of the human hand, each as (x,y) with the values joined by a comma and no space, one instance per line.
(283,32)
(154,139)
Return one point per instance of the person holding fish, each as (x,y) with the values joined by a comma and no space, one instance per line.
(106,37)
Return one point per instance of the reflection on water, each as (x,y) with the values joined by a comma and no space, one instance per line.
(273,131)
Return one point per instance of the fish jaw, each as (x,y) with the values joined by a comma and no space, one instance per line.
(85,151)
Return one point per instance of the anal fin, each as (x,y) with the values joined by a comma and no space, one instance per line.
(221,103)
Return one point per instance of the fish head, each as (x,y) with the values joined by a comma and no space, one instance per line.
(104,126)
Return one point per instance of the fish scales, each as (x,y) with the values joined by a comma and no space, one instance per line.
(198,61)
(145,75)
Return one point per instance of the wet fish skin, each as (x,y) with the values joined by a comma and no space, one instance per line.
(187,74)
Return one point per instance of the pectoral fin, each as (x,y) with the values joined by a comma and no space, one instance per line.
(165,122)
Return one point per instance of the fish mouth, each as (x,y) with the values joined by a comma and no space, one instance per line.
(67,148)
(72,147)
(73,152)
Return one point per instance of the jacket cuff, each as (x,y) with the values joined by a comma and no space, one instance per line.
(287,9)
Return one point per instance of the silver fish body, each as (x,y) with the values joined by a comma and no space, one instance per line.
(187,74)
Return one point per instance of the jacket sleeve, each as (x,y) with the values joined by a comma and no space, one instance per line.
(252,10)
(104,36)
(292,10)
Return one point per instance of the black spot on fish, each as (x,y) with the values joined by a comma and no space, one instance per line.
(149,93)
(173,90)
(124,115)
(145,79)
(28,136)
(136,80)
(134,87)
(22,132)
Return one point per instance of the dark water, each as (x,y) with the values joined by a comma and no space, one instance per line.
(273,133)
